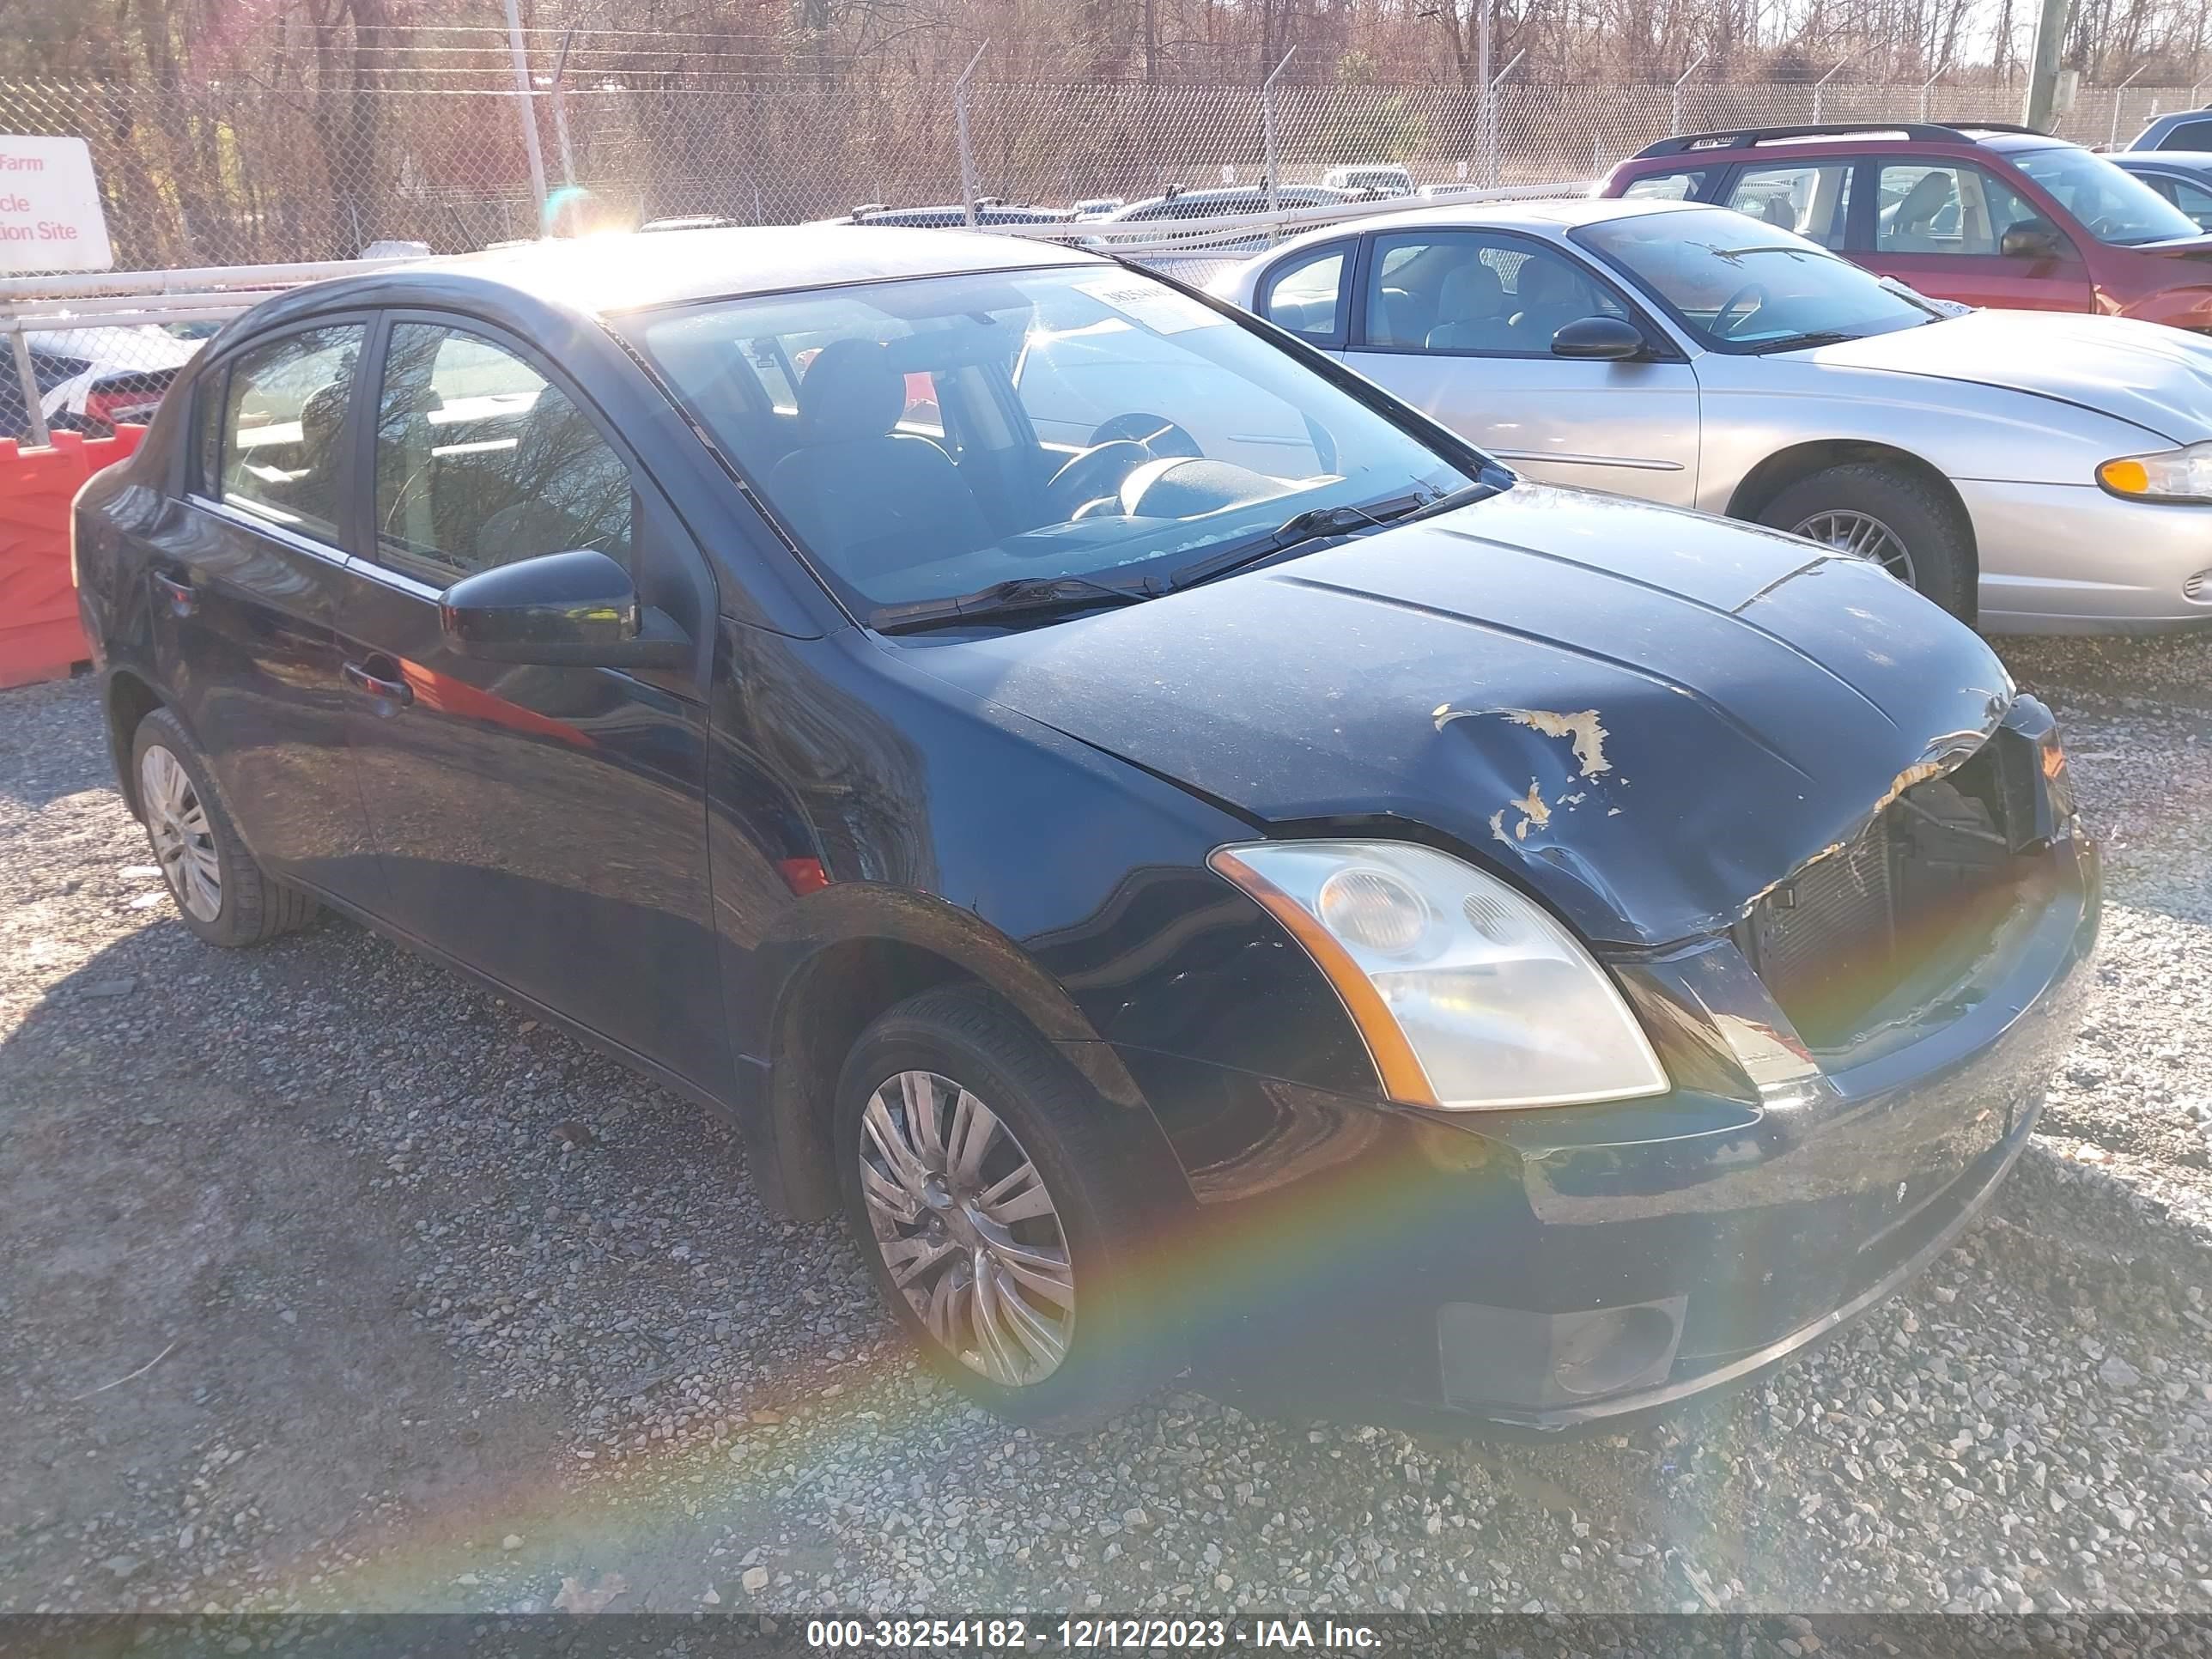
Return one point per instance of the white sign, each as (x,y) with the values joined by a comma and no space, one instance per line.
(50,213)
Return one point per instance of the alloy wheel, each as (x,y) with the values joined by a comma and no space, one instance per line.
(966,1228)
(1862,535)
(184,840)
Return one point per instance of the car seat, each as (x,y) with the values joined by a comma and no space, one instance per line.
(1472,304)
(1911,222)
(1550,297)
(866,498)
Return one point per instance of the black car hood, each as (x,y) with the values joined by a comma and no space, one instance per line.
(1650,717)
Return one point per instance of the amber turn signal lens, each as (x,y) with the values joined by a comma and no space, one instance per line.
(2128,478)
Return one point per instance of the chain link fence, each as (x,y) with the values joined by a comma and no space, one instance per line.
(252,173)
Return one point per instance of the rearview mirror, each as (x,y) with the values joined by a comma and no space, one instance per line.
(1605,339)
(575,609)
(2031,239)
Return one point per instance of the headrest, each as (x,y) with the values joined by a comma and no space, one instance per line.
(322,414)
(1546,282)
(1927,198)
(851,390)
(1470,290)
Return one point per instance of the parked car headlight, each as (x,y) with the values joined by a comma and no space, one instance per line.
(1470,996)
(2172,475)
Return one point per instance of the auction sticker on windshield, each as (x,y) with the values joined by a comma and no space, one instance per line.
(1161,309)
(51,218)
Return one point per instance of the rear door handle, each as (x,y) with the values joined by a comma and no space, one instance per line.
(397,692)
(184,599)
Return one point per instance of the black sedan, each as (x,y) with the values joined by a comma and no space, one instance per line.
(1206,869)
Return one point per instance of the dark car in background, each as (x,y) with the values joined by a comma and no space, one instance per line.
(1983,214)
(2184,177)
(2180,129)
(1279,896)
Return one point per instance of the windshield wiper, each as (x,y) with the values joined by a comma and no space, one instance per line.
(1802,342)
(1314,524)
(1023,595)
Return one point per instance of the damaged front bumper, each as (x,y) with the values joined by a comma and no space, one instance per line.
(1544,1270)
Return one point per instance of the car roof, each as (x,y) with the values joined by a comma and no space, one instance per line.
(1551,217)
(628,272)
(2189,161)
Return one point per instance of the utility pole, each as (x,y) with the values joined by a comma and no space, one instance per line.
(2043,64)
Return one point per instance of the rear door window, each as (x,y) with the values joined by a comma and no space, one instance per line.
(284,418)
(1813,199)
(1685,186)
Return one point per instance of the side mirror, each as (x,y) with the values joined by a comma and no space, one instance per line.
(1605,339)
(563,610)
(2031,239)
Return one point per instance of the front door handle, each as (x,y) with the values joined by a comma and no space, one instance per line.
(184,599)
(396,692)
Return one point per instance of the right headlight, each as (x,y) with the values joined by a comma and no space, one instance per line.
(2170,475)
(1470,997)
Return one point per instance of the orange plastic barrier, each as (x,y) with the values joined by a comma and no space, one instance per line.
(39,636)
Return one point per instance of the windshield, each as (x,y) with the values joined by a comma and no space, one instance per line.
(1738,285)
(2113,205)
(928,438)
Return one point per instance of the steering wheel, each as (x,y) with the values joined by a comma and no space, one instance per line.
(1093,474)
(1755,292)
(1160,437)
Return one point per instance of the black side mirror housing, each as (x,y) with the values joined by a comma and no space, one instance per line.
(560,609)
(2031,239)
(1603,339)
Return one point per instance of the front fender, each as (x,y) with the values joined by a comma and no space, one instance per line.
(1990,434)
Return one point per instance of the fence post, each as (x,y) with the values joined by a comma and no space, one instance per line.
(560,111)
(525,103)
(1925,88)
(968,188)
(1821,85)
(39,435)
(2114,142)
(1674,110)
(1491,89)
(1268,136)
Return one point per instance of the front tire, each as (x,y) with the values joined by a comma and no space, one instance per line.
(222,894)
(995,1198)
(1887,516)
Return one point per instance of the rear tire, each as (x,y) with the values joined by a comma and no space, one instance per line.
(1038,1317)
(220,893)
(1890,516)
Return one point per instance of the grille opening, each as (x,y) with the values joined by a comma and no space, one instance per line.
(1912,902)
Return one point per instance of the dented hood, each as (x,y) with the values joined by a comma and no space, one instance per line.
(2152,376)
(1650,717)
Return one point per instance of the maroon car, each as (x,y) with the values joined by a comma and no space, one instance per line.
(1985,214)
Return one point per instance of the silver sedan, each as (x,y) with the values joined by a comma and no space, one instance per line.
(2038,472)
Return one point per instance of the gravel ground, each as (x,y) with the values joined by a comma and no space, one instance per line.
(333,1282)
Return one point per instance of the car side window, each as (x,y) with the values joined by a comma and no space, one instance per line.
(481,461)
(1307,295)
(2189,135)
(2192,199)
(1471,291)
(282,415)
(1813,200)
(1946,209)
(1668,186)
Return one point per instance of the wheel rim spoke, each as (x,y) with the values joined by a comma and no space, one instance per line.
(892,1142)
(1020,1196)
(974,1127)
(918,1096)
(966,1228)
